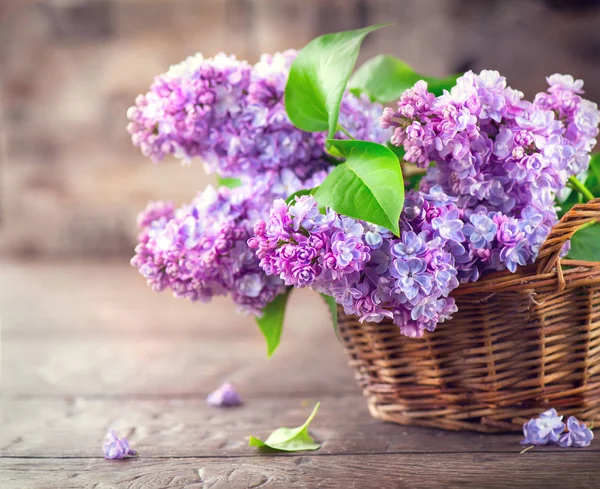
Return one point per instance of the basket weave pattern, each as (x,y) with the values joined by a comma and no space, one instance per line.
(519,344)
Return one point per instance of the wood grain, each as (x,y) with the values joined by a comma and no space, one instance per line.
(97,330)
(86,347)
(434,471)
(190,428)
(111,299)
(178,367)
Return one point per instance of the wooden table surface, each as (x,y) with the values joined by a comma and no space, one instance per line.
(87,347)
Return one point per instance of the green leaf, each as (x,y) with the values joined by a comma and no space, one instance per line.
(299,193)
(333,309)
(585,243)
(367,186)
(414,180)
(384,78)
(592,183)
(397,150)
(318,78)
(290,439)
(229,182)
(271,321)
(333,154)
(593,180)
(573,198)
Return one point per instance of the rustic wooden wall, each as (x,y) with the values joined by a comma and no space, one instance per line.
(70,181)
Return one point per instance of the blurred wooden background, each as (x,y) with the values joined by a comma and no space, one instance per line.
(71,183)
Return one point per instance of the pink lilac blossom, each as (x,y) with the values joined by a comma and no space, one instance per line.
(232,116)
(367,270)
(503,158)
(224,396)
(115,447)
(200,250)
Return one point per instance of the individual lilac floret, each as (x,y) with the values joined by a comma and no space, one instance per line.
(579,435)
(115,447)
(481,230)
(224,396)
(543,430)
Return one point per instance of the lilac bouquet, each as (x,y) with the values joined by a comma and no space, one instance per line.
(312,192)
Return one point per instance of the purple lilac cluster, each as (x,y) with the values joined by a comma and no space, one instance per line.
(232,116)
(549,428)
(490,240)
(502,158)
(367,270)
(200,250)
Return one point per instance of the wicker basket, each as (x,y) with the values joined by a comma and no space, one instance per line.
(519,344)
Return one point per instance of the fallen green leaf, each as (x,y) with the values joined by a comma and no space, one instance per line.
(290,439)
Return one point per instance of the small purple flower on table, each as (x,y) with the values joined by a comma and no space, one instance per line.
(224,396)
(115,447)
(543,430)
(579,435)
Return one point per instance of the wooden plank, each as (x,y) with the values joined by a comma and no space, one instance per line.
(180,367)
(101,298)
(190,428)
(96,330)
(571,469)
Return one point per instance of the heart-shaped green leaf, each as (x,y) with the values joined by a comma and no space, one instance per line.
(318,78)
(367,186)
(290,439)
(384,78)
(585,244)
(271,321)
